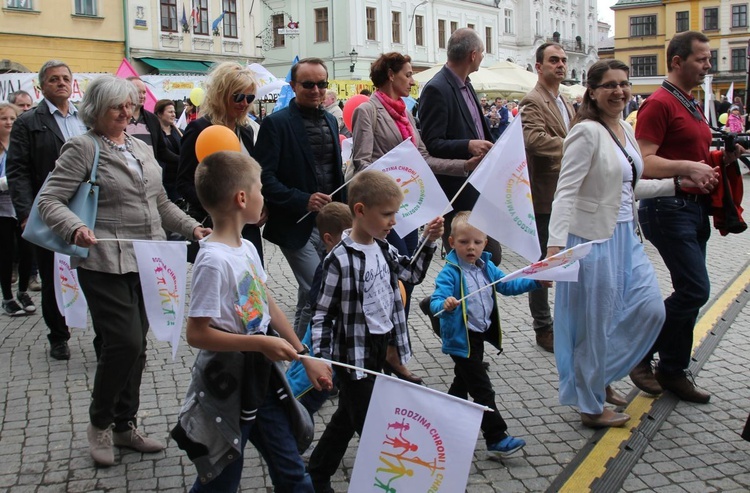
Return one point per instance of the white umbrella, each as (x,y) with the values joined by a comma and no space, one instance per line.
(573,91)
(483,80)
(515,74)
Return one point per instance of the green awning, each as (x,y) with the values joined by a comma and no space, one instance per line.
(172,66)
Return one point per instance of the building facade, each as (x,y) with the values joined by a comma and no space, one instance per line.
(643,29)
(86,34)
(349,35)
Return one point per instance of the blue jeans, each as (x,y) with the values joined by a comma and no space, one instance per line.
(679,228)
(272,436)
(303,262)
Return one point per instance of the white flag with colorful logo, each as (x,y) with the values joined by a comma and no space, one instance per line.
(415,439)
(504,209)
(563,266)
(424,199)
(162,267)
(68,293)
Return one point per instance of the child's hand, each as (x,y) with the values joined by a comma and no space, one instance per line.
(450,304)
(434,229)
(277,349)
(546,284)
(319,373)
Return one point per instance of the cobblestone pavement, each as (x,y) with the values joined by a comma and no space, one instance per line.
(44,405)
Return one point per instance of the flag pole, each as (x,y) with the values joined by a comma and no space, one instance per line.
(471,294)
(403,382)
(142,241)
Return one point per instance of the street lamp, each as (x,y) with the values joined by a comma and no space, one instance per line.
(353,59)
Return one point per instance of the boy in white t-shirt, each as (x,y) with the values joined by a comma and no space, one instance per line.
(359,309)
(233,396)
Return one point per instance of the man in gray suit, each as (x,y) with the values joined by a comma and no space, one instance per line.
(545,116)
(35,143)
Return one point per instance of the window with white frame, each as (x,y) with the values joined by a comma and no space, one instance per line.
(739,59)
(371,13)
(643,66)
(441,33)
(396,27)
(739,15)
(711,19)
(20,4)
(168,15)
(643,25)
(419,30)
(714,61)
(277,21)
(201,17)
(454,26)
(682,21)
(321,25)
(508,21)
(488,41)
(538,16)
(85,7)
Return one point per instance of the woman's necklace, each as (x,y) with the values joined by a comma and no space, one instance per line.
(127,146)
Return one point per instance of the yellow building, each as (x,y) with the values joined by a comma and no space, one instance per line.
(85,34)
(643,29)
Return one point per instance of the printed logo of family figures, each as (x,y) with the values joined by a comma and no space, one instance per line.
(71,290)
(166,282)
(564,258)
(411,450)
(412,185)
(519,177)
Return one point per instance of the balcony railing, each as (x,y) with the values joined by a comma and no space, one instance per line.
(570,45)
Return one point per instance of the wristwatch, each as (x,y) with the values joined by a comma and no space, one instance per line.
(305,350)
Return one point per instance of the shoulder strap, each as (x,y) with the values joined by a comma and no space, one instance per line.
(627,156)
(92,178)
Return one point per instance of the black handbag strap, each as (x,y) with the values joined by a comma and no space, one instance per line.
(627,156)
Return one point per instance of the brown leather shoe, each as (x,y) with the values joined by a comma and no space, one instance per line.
(643,378)
(604,420)
(546,340)
(614,398)
(681,386)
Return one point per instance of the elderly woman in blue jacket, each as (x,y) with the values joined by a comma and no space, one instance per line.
(465,330)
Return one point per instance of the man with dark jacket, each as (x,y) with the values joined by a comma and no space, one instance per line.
(298,149)
(35,143)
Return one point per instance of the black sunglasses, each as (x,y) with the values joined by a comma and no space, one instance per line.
(238,97)
(323,84)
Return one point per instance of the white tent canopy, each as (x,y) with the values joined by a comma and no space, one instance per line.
(483,80)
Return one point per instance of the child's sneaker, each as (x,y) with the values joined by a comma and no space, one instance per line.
(505,447)
(10,307)
(25,301)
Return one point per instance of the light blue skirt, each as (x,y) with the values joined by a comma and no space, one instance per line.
(607,321)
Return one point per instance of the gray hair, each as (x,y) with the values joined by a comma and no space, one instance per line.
(13,97)
(48,65)
(102,94)
(462,42)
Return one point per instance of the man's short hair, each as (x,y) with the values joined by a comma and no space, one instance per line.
(373,188)
(13,97)
(682,46)
(462,42)
(544,46)
(311,61)
(331,94)
(460,221)
(48,65)
(222,174)
(333,218)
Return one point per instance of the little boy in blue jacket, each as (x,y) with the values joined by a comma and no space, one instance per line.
(464,331)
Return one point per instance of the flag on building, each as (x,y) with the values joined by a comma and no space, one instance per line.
(424,199)
(504,209)
(126,70)
(286,94)
(415,439)
(163,272)
(71,301)
(184,18)
(216,22)
(195,15)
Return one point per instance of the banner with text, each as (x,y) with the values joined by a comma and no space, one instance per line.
(162,267)
(415,439)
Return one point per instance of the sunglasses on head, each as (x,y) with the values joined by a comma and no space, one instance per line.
(238,97)
(323,84)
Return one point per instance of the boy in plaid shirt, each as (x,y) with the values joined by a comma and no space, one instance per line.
(359,309)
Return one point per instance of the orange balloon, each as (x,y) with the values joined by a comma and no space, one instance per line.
(214,139)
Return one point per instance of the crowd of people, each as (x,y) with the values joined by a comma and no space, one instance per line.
(588,168)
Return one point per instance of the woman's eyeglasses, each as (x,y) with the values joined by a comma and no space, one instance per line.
(238,97)
(611,86)
(308,84)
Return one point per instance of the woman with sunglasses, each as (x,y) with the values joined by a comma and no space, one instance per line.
(230,90)
(607,321)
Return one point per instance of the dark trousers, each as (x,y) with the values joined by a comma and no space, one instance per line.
(679,228)
(472,379)
(539,298)
(405,246)
(119,318)
(354,399)
(12,243)
(58,330)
